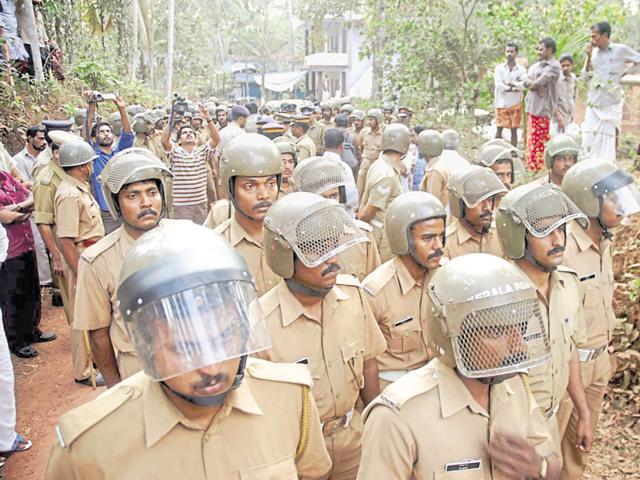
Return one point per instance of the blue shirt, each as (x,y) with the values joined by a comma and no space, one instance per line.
(126,141)
(418,172)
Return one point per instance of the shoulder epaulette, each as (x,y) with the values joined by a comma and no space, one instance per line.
(376,280)
(104,244)
(279,372)
(46,177)
(364,226)
(269,301)
(79,420)
(350,280)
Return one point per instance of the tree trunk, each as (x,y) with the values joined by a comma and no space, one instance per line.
(169,62)
(135,43)
(27,22)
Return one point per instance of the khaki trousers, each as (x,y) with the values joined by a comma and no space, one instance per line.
(363,170)
(345,448)
(79,354)
(595,377)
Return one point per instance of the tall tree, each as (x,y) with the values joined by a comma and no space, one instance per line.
(27,21)
(169,63)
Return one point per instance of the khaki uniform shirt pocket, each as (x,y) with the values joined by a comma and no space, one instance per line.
(284,469)
(406,335)
(353,358)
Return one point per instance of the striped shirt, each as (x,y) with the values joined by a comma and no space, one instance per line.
(189,175)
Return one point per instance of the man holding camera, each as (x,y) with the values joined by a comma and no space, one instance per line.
(101,140)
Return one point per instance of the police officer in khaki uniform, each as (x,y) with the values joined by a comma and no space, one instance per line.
(467,414)
(251,171)
(288,153)
(144,129)
(370,142)
(315,130)
(202,134)
(437,175)
(415,227)
(384,183)
(606,194)
(201,409)
(78,226)
(531,223)
(44,192)
(472,199)
(134,187)
(305,146)
(430,146)
(321,319)
(505,162)
(327,177)
(560,154)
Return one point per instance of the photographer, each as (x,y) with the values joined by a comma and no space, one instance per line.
(191,167)
(102,142)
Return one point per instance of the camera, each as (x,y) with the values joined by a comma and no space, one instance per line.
(103,97)
(179,105)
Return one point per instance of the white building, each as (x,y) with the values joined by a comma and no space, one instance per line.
(338,71)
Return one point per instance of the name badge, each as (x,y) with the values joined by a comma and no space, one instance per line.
(303,361)
(402,322)
(463,466)
(589,276)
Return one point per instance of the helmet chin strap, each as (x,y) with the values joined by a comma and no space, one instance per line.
(497,378)
(296,286)
(529,258)
(213,400)
(605,231)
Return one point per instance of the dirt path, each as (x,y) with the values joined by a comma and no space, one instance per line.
(44,390)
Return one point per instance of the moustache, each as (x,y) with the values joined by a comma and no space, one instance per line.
(260,205)
(147,211)
(209,379)
(334,267)
(486,214)
(555,250)
(438,253)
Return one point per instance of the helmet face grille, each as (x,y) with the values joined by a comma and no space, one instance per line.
(126,164)
(325,233)
(480,186)
(547,209)
(319,180)
(502,339)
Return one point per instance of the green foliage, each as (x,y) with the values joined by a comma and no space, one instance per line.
(96,75)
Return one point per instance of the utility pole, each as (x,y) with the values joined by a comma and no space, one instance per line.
(290,14)
(169,64)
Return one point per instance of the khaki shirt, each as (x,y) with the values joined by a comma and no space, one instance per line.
(334,347)
(363,258)
(77,213)
(252,252)
(96,303)
(219,212)
(44,192)
(562,316)
(327,123)
(383,185)
(401,308)
(252,437)
(202,135)
(316,133)
(428,420)
(594,267)
(460,242)
(370,144)
(435,183)
(305,148)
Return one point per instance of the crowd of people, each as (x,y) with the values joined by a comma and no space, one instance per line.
(322,292)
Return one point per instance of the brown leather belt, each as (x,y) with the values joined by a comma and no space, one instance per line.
(329,427)
(87,243)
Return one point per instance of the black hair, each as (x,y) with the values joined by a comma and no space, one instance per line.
(418,129)
(252,107)
(333,138)
(514,45)
(35,129)
(182,127)
(549,42)
(566,58)
(603,28)
(97,126)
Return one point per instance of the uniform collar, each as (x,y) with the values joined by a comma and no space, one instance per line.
(454,396)
(237,234)
(291,309)
(84,186)
(407,282)
(161,415)
(462,234)
(393,164)
(25,153)
(57,169)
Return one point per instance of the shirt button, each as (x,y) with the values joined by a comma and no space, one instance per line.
(207,437)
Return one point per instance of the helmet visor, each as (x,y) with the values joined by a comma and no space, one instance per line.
(501,340)
(480,186)
(545,209)
(625,199)
(198,327)
(323,234)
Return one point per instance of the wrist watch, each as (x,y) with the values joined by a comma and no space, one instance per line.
(544,466)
